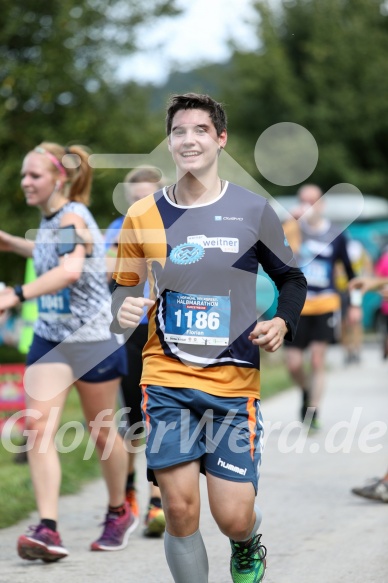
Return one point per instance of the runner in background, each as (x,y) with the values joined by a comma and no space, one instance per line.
(72,343)
(317,245)
(351,331)
(138,184)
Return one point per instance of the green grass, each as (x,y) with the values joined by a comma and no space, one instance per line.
(274,376)
(16,493)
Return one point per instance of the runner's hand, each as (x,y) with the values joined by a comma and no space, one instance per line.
(8,299)
(132,311)
(269,334)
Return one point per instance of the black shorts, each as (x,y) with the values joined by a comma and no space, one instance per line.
(321,328)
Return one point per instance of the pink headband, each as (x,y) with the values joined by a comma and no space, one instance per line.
(53,159)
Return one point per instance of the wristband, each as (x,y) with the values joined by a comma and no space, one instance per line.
(355,297)
(19,292)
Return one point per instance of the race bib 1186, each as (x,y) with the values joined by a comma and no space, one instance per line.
(197,319)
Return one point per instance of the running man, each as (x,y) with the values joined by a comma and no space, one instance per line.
(199,243)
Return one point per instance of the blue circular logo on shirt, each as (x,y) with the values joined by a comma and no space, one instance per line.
(187,253)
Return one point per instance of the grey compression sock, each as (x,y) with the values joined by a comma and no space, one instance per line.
(186,556)
(258,520)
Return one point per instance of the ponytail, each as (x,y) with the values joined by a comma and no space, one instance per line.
(74,161)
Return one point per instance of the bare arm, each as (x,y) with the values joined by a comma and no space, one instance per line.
(67,272)
(18,245)
(50,282)
(368,283)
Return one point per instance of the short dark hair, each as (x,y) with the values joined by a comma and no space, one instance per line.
(196,101)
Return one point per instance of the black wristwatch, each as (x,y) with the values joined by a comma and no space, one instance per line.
(19,292)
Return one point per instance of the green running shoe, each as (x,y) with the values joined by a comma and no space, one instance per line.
(247,563)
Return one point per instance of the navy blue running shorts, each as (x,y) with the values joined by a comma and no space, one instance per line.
(108,359)
(183,425)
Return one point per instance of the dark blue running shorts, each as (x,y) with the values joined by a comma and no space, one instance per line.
(183,425)
(92,362)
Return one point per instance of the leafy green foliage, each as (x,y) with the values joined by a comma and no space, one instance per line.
(322,64)
(57,83)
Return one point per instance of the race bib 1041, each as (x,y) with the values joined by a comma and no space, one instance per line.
(55,306)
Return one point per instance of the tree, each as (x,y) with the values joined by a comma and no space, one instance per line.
(321,64)
(58,83)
